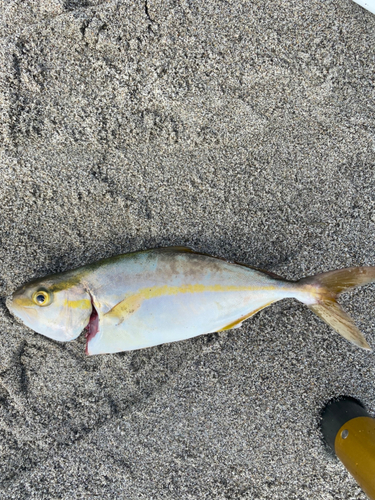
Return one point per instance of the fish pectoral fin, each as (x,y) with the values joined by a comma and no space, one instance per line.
(124,308)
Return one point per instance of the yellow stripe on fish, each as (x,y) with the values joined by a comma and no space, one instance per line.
(133,302)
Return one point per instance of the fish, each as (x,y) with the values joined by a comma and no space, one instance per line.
(151,297)
(367,4)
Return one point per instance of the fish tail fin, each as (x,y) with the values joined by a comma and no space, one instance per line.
(323,291)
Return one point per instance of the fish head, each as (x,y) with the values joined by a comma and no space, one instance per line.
(58,307)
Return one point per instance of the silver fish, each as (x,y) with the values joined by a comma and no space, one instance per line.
(147,298)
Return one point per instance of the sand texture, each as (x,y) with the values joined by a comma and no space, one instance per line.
(244,129)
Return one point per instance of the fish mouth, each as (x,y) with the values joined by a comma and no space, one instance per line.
(93,326)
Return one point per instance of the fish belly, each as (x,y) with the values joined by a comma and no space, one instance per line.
(157,299)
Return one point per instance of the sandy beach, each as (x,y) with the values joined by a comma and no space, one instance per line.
(243,129)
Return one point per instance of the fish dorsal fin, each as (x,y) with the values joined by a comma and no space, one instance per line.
(175,249)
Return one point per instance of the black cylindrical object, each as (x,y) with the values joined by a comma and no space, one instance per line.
(350,432)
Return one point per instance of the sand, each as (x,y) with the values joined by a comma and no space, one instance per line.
(242,129)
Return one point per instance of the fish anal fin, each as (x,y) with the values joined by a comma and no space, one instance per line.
(238,322)
(235,324)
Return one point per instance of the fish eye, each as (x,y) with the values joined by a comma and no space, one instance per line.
(41,298)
